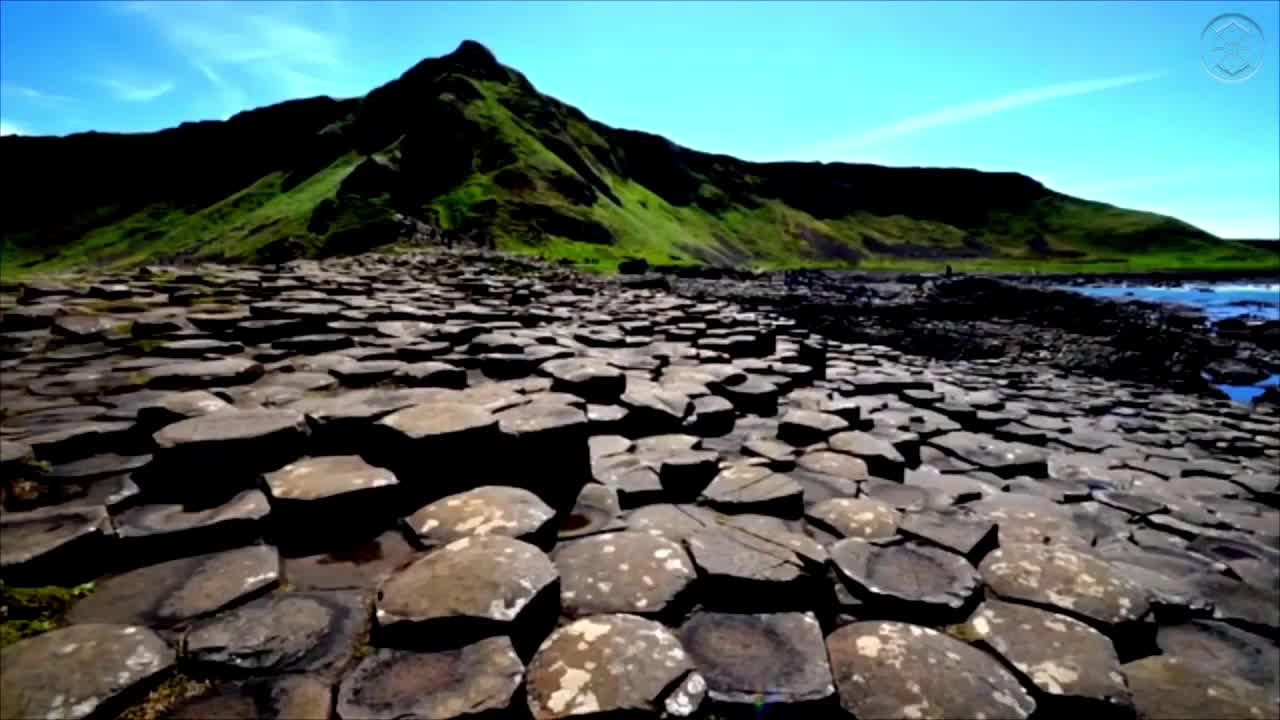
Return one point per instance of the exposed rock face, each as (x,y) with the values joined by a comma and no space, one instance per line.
(380,484)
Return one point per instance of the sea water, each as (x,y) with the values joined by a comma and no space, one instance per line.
(1218,301)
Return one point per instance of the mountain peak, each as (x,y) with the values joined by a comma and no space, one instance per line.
(475,57)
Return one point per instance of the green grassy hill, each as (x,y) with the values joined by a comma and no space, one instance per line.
(464,146)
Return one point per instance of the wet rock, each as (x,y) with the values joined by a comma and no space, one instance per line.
(1073,666)
(895,670)
(476,680)
(1164,687)
(154,532)
(56,545)
(296,697)
(298,632)
(489,510)
(627,572)
(906,577)
(180,590)
(471,587)
(613,664)
(80,670)
(759,660)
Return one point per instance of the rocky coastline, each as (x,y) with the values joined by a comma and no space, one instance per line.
(465,485)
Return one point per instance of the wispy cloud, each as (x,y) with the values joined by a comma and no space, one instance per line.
(966,112)
(234,45)
(30,93)
(8,128)
(129,91)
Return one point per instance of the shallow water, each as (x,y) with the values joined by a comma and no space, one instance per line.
(1218,301)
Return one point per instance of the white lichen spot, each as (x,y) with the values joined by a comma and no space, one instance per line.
(869,646)
(588,630)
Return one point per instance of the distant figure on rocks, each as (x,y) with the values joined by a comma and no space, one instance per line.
(948,271)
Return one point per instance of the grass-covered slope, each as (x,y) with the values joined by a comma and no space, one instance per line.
(464,146)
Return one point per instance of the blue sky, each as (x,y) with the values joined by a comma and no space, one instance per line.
(1103,100)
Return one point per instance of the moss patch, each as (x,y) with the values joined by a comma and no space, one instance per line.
(27,612)
(161,701)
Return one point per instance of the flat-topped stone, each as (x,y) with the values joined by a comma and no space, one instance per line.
(284,697)
(906,578)
(295,632)
(53,544)
(1164,686)
(1069,662)
(630,572)
(171,529)
(180,590)
(774,659)
(69,673)
(896,670)
(613,664)
(321,478)
(754,488)
(488,510)
(861,518)
(487,581)
(1076,582)
(476,679)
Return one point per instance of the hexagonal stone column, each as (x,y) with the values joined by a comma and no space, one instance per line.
(613,664)
(470,588)
(907,579)
(71,672)
(476,680)
(321,502)
(629,572)
(545,451)
(56,545)
(212,457)
(489,510)
(895,670)
(777,660)
(1074,666)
